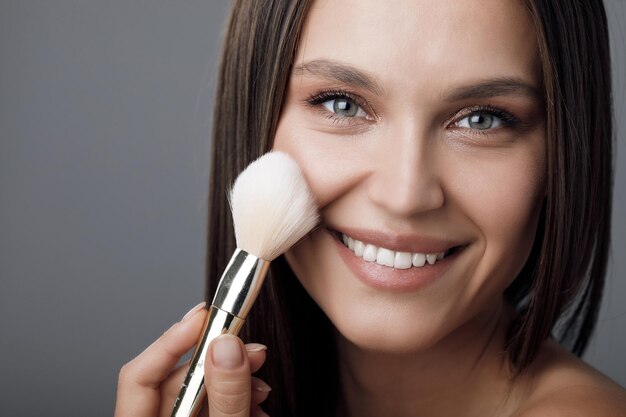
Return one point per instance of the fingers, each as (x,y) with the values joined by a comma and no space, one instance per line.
(149,384)
(256,355)
(170,388)
(139,381)
(227,378)
(258,412)
(260,391)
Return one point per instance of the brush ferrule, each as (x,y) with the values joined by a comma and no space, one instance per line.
(240,284)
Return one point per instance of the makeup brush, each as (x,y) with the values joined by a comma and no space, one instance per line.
(272,210)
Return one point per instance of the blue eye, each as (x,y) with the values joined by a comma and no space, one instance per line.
(344,107)
(341,106)
(481,120)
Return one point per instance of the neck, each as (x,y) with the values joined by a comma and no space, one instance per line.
(465,374)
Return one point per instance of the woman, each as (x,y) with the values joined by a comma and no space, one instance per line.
(473,139)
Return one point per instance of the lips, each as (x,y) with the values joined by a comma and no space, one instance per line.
(395,262)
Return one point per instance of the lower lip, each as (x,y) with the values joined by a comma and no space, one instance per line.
(391,279)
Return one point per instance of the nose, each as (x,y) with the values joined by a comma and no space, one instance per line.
(406,179)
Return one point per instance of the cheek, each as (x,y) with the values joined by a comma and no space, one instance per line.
(502,197)
(321,157)
(316,276)
(503,201)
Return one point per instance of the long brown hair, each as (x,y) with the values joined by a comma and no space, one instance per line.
(560,287)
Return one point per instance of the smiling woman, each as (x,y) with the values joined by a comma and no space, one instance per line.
(460,154)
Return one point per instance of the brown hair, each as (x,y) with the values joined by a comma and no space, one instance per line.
(560,287)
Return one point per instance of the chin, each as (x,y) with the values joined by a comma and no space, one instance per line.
(391,340)
(376,324)
(396,332)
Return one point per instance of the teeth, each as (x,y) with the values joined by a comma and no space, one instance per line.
(359,248)
(388,257)
(402,260)
(385,257)
(370,252)
(418,259)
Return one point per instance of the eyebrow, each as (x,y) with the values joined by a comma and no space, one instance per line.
(339,71)
(494,87)
(347,74)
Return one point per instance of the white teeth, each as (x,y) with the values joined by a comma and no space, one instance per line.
(402,260)
(370,252)
(419,259)
(388,257)
(359,248)
(385,257)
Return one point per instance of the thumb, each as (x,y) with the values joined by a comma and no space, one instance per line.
(227,378)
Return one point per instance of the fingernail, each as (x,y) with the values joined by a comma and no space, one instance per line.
(193,310)
(227,352)
(262,386)
(255,347)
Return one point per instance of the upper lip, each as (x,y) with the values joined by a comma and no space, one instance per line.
(399,242)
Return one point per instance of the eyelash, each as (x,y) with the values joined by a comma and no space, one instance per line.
(320,98)
(508,119)
(315,100)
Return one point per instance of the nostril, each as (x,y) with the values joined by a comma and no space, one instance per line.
(407,196)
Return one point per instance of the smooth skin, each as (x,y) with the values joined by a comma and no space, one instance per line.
(149,384)
(424,118)
(409,163)
(410,145)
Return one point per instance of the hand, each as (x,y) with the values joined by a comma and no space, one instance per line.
(148,385)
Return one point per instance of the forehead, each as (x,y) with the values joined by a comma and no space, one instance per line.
(424,43)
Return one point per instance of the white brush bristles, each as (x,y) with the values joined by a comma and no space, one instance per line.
(272,206)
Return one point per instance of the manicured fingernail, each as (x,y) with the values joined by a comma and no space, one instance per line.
(227,352)
(255,347)
(262,386)
(193,310)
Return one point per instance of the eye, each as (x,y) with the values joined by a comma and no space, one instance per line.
(481,120)
(344,107)
(341,107)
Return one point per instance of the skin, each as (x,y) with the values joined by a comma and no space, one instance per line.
(407,162)
(411,169)
(149,384)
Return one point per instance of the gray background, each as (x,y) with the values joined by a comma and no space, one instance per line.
(104,124)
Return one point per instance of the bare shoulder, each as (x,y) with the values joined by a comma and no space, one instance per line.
(578,401)
(564,386)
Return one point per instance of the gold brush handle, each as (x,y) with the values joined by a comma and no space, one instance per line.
(192,393)
(238,288)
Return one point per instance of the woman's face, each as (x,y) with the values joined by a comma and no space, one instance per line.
(419,127)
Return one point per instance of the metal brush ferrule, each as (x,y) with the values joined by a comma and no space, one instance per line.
(240,284)
(238,288)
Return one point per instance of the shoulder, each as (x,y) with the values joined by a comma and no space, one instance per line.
(578,401)
(565,386)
